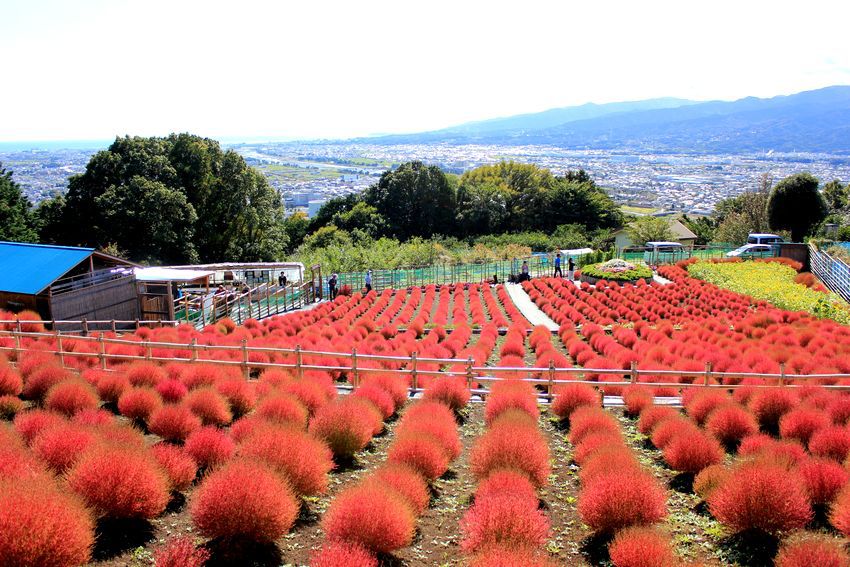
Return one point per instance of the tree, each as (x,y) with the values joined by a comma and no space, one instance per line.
(415,200)
(361,217)
(17,222)
(296,227)
(795,204)
(836,195)
(325,215)
(703,227)
(482,207)
(649,229)
(738,216)
(230,210)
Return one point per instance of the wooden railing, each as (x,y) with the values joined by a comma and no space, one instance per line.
(833,272)
(354,364)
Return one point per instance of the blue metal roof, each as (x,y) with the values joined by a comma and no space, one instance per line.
(30,268)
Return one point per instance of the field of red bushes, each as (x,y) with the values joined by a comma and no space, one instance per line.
(179,447)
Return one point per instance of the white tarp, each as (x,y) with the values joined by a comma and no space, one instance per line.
(576,252)
(169,274)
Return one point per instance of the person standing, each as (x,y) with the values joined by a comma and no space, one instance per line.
(524,271)
(558,273)
(281,280)
(571,268)
(332,286)
(368,281)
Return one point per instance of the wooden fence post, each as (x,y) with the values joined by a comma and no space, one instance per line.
(782,374)
(61,350)
(85,327)
(469,364)
(102,354)
(551,380)
(634,373)
(414,380)
(114,327)
(147,350)
(707,378)
(299,372)
(194,355)
(246,371)
(355,378)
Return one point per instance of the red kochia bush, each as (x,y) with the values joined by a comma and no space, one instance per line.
(702,403)
(94,417)
(449,390)
(244,499)
(62,445)
(692,451)
(180,552)
(620,499)
(586,420)
(111,386)
(801,423)
(637,398)
(731,423)
(606,460)
(642,547)
(173,422)
(406,481)
(369,515)
(763,496)
(570,397)
(209,405)
(823,478)
(172,390)
(39,525)
(139,403)
(30,423)
(239,394)
(303,459)
(831,442)
(344,426)
(421,451)
(505,400)
(177,464)
(120,483)
(444,431)
(508,446)
(42,379)
(710,478)
(10,406)
(283,408)
(810,550)
(71,396)
(11,382)
(145,374)
(339,554)
(770,404)
(378,396)
(667,429)
(209,446)
(652,416)
(506,481)
(504,520)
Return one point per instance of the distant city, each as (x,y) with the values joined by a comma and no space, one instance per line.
(308,174)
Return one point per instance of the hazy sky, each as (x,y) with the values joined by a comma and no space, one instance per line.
(93,69)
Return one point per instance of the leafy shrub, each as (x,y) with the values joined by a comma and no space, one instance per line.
(809,550)
(42,379)
(506,481)
(139,403)
(120,483)
(606,460)
(652,416)
(71,396)
(593,442)
(146,374)
(702,403)
(507,446)
(303,459)
(444,431)
(180,468)
(421,451)
(762,496)
(180,552)
(692,451)
(731,423)
(172,390)
(30,423)
(11,383)
(667,429)
(570,397)
(451,391)
(378,396)
(173,422)
(831,442)
(10,406)
(370,516)
(709,479)
(824,479)
(616,500)
(283,408)
(239,394)
(244,499)
(209,405)
(504,400)
(209,447)
(94,417)
(60,446)
(642,547)
(42,526)
(637,398)
(587,419)
(344,426)
(801,423)
(405,480)
(338,554)
(111,386)
(503,520)
(770,404)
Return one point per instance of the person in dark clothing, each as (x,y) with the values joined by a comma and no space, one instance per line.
(571,269)
(524,276)
(281,280)
(368,281)
(332,286)
(558,273)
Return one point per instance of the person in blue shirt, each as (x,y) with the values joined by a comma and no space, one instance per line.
(368,281)
(558,272)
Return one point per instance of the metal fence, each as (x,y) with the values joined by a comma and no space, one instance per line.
(833,272)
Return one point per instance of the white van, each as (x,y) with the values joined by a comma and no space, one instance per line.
(763,238)
(665,253)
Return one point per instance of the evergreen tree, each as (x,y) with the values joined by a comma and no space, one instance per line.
(16,217)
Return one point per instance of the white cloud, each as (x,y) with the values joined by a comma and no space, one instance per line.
(95,69)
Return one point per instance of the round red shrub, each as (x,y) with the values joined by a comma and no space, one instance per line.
(30,423)
(40,525)
(180,468)
(42,379)
(505,556)
(810,550)
(209,405)
(570,397)
(111,386)
(606,460)
(763,496)
(378,396)
(10,406)
(60,446)
(71,396)
(731,423)
(146,374)
(172,390)
(173,422)
(444,431)
(506,481)
(802,422)
(244,499)
(344,426)
(405,480)
(11,383)
(593,442)
(371,516)
(637,399)
(692,451)
(339,554)
(303,459)
(312,394)
(770,404)
(503,520)
(505,400)
(642,547)
(839,410)
(180,552)
(652,416)
(616,500)
(510,447)
(709,479)
(831,442)
(421,451)
(824,479)
(587,419)
(209,447)
(93,417)
(667,429)
(449,390)
(120,482)
(139,403)
(239,394)
(283,408)
(702,403)
(199,375)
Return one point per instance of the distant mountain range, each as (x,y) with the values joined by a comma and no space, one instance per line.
(811,121)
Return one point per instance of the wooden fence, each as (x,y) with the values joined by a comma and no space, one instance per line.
(354,364)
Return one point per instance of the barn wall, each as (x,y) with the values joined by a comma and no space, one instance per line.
(114,299)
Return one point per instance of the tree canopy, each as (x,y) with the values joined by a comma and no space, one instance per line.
(16,216)
(175,199)
(649,229)
(795,204)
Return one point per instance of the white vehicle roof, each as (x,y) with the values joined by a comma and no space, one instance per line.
(762,235)
(657,244)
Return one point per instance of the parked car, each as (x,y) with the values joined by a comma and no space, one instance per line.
(753,251)
(764,238)
(665,253)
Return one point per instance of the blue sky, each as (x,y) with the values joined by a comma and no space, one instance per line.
(93,69)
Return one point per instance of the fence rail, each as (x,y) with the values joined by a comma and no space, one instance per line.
(833,272)
(353,365)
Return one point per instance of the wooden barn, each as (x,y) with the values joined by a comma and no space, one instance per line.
(66,283)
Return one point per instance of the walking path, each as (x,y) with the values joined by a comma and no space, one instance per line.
(527,307)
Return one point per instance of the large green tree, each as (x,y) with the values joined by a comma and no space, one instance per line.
(16,216)
(836,196)
(415,200)
(795,204)
(649,229)
(219,208)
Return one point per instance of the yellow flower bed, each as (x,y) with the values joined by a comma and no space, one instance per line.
(774,283)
